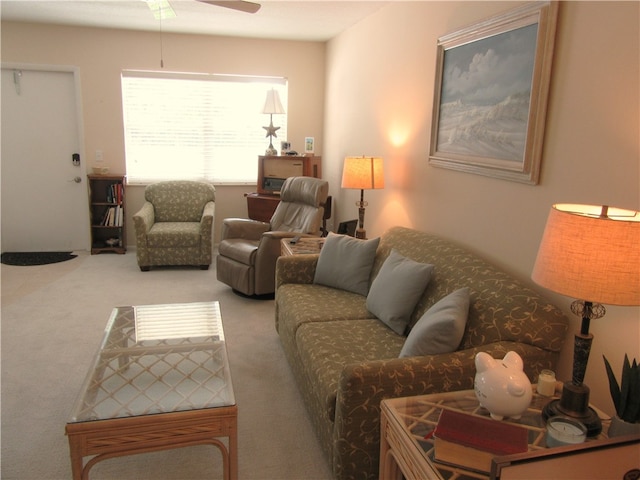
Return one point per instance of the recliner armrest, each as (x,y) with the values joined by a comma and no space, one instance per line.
(243,228)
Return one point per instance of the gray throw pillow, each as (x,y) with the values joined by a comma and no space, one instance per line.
(345,262)
(441,327)
(396,290)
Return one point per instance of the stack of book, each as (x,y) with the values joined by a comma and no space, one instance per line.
(471,441)
(113,217)
(115,193)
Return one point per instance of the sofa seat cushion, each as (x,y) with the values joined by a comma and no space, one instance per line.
(239,249)
(325,348)
(174,234)
(298,304)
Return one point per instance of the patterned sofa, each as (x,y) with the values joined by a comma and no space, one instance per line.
(346,361)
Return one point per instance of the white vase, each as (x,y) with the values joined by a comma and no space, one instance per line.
(619,427)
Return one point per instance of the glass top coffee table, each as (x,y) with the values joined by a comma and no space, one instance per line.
(160,380)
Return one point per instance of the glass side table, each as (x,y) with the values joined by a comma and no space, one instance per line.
(407,424)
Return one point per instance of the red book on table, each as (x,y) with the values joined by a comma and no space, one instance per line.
(472,441)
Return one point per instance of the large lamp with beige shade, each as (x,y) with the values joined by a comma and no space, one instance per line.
(592,253)
(363,173)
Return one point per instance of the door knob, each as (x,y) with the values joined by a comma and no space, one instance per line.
(76,179)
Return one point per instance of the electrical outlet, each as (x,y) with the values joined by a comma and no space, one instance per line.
(99,157)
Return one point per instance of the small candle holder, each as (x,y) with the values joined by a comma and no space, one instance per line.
(564,431)
(546,383)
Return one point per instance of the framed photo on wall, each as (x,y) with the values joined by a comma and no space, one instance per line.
(491,91)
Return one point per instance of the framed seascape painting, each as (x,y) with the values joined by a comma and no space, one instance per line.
(491,90)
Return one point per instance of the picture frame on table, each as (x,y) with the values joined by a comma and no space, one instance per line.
(491,92)
(309,145)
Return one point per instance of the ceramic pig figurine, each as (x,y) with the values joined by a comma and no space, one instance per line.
(501,386)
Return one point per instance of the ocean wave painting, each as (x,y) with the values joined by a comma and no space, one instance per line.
(485,96)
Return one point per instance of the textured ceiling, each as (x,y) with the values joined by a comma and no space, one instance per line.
(281,19)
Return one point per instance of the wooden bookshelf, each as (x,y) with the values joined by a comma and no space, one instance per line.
(106,207)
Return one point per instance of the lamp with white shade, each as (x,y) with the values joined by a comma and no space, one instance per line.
(363,173)
(592,253)
(272,105)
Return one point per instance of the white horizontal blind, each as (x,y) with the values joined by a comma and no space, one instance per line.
(197,126)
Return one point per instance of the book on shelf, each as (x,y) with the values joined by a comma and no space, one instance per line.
(471,441)
(113,217)
(115,193)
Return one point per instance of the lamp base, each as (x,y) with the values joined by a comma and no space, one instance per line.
(270,151)
(574,403)
(361,233)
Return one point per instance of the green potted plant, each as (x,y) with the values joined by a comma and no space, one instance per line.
(626,398)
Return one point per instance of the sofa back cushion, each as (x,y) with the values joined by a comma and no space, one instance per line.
(345,262)
(501,307)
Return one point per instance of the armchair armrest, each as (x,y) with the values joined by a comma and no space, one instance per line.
(243,228)
(144,219)
(206,222)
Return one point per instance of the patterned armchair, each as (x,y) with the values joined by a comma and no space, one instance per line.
(174,226)
(249,249)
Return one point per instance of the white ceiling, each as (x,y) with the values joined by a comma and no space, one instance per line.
(281,19)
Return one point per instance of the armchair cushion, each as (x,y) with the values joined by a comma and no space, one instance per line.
(174,234)
(179,201)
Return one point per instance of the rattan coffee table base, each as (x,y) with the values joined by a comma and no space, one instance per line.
(117,437)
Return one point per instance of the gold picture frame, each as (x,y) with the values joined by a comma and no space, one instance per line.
(491,91)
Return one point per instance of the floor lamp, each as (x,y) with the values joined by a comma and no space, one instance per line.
(591,253)
(363,173)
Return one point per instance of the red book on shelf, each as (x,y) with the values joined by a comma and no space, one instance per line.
(471,441)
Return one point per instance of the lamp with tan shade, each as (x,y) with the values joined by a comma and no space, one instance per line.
(592,253)
(272,105)
(363,173)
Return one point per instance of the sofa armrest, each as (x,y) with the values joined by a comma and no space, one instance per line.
(363,386)
(206,221)
(296,269)
(243,228)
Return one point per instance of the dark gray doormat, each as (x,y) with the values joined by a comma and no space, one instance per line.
(35,258)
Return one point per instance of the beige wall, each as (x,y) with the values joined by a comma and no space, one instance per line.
(380,81)
(102,54)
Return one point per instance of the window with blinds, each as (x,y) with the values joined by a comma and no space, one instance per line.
(197,126)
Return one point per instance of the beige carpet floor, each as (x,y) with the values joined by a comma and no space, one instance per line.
(53,317)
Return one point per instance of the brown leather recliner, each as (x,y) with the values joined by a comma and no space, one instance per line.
(249,249)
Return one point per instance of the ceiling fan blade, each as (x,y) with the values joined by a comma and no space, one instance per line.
(241,5)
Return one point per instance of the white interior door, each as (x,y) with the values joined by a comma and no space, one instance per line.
(44,195)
